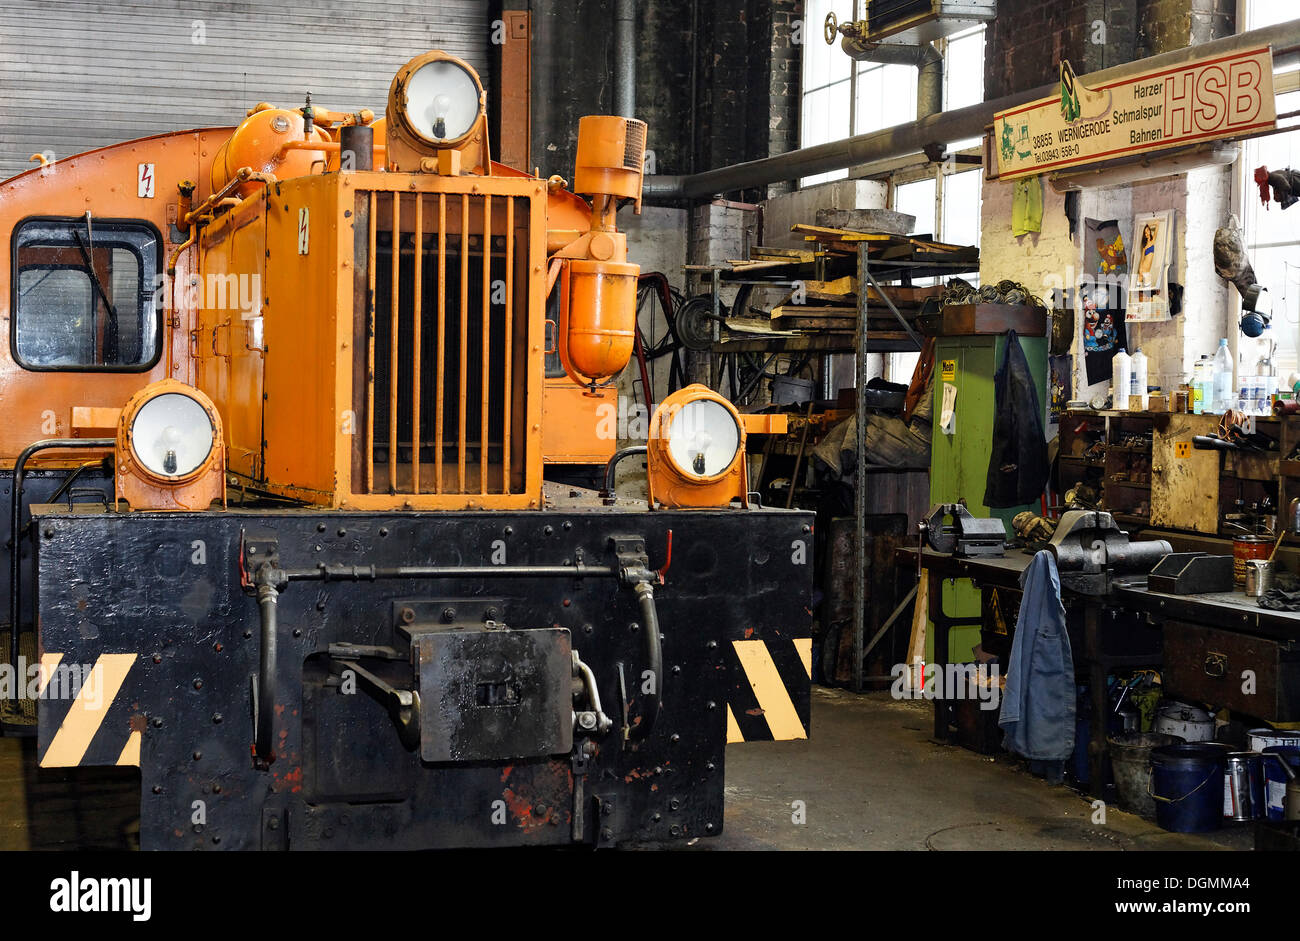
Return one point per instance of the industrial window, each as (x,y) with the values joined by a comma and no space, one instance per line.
(843,98)
(84,295)
(1272,234)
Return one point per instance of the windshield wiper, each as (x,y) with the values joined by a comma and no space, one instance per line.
(110,351)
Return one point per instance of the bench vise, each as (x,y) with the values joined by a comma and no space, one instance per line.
(1090,547)
(966,535)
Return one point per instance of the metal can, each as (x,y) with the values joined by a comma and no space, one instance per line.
(1259,577)
(1245,548)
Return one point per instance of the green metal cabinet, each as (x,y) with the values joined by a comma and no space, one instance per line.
(959,462)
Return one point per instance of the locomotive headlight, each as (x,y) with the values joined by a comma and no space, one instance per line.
(172,435)
(170,452)
(703,438)
(696,452)
(441,101)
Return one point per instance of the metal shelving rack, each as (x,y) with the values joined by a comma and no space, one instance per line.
(871,276)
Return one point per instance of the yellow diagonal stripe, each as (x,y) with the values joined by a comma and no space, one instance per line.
(131,753)
(803,645)
(772,696)
(84,716)
(49,663)
(733,729)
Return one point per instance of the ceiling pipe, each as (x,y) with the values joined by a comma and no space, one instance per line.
(942,128)
(927,60)
(625,58)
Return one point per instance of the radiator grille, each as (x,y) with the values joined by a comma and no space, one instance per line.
(634,146)
(440,343)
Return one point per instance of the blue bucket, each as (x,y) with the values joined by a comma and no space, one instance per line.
(1187,785)
(1275,778)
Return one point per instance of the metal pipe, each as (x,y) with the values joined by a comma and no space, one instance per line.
(945,127)
(611,466)
(267,604)
(653,700)
(926,59)
(369,573)
(603,722)
(15,540)
(625,58)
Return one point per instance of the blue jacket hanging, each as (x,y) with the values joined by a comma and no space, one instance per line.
(1038,701)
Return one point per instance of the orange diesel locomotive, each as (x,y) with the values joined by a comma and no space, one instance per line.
(277,424)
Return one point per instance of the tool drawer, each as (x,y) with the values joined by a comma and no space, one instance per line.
(1254,675)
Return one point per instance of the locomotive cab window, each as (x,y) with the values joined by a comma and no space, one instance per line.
(84,295)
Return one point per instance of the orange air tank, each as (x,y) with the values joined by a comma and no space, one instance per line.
(599,328)
(259,142)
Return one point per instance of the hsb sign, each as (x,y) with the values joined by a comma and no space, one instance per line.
(1224,96)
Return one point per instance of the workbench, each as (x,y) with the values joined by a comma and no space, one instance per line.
(1109,642)
(1240,635)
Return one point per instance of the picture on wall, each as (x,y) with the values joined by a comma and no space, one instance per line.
(1153,238)
(1102,296)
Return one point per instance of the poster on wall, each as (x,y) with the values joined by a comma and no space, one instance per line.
(1153,238)
(1102,296)
(1216,96)
(1061,389)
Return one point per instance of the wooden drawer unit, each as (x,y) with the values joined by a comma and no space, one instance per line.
(1206,664)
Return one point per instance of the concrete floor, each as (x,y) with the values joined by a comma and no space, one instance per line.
(870,778)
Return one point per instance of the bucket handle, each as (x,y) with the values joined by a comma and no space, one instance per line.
(1286,765)
(1151,772)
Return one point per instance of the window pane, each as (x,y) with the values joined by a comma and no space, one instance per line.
(886,96)
(1271,224)
(964,71)
(917,199)
(823,64)
(1269,12)
(1278,269)
(57,316)
(961,208)
(85,299)
(825,118)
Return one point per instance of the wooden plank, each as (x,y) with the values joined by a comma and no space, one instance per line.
(753,325)
(920,625)
(839,235)
(800,255)
(807,311)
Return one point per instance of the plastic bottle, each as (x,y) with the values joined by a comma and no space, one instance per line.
(1198,385)
(1121,378)
(1222,379)
(1138,379)
(1267,374)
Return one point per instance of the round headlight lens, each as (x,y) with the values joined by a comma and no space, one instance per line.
(703,438)
(171,435)
(442,101)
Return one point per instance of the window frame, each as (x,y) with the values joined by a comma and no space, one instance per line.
(14,319)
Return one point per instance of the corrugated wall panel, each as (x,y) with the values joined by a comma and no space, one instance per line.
(78,75)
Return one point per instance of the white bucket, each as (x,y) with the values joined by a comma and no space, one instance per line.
(1188,722)
(1266,738)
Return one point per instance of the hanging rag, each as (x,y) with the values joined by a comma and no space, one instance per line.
(1038,710)
(1018,466)
(1072,211)
(1027,206)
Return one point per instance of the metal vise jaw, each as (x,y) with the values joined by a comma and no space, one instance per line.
(967,535)
(1090,547)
